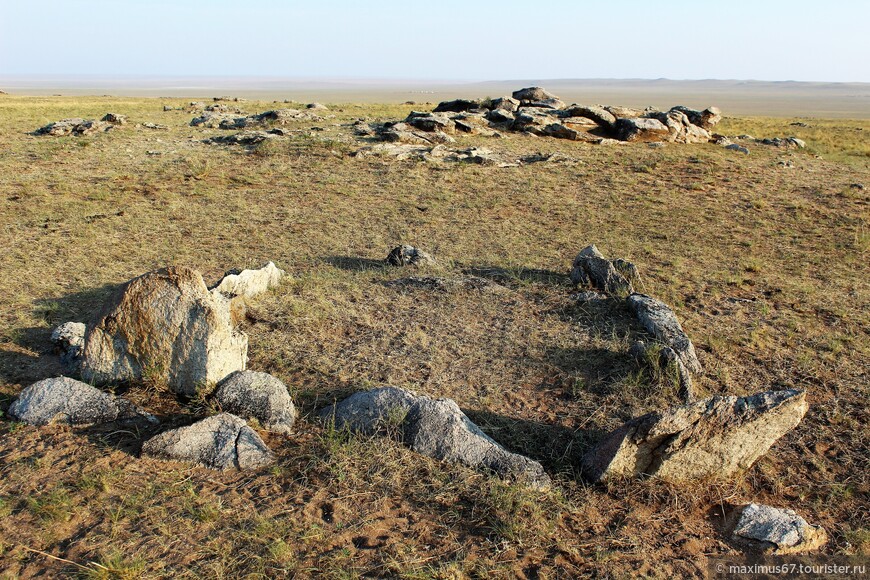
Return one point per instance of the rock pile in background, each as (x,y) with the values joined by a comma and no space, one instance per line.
(536,111)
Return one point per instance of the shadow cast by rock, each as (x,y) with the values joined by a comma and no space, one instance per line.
(519,274)
(355,264)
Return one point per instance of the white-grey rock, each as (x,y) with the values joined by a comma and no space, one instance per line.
(64,400)
(406,255)
(641,129)
(660,321)
(218,442)
(713,438)
(249,283)
(69,340)
(762,528)
(433,427)
(260,396)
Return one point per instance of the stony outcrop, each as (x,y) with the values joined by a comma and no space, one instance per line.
(165,326)
(706,119)
(405,133)
(64,400)
(713,438)
(765,529)
(591,268)
(76,127)
(244,138)
(597,113)
(219,442)
(249,283)
(259,396)
(316,107)
(430,122)
(433,427)
(406,255)
(69,340)
(660,321)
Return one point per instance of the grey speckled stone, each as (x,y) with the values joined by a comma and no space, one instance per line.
(65,400)
(219,442)
(258,395)
(435,428)
(780,531)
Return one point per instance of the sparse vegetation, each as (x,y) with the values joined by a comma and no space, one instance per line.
(766,267)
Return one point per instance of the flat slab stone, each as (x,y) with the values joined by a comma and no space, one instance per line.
(762,528)
(218,442)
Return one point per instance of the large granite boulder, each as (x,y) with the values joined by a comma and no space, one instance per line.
(64,400)
(713,438)
(433,427)
(260,396)
(660,321)
(218,442)
(533,94)
(706,119)
(769,530)
(165,326)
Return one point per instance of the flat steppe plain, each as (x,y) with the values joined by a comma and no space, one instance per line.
(764,263)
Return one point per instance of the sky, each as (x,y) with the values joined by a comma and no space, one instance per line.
(773,40)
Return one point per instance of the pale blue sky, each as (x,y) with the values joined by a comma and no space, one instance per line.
(443,39)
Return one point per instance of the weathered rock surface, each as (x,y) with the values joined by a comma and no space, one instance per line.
(597,113)
(249,283)
(165,326)
(706,119)
(406,255)
(508,104)
(713,438)
(456,106)
(624,112)
(316,107)
(64,400)
(533,94)
(260,396)
(660,321)
(69,340)
(738,148)
(219,442)
(766,529)
(433,427)
(430,122)
(590,267)
(641,129)
(680,129)
(245,138)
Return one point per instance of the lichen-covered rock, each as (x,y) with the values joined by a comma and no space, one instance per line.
(406,255)
(249,283)
(660,321)
(69,340)
(64,400)
(76,127)
(260,396)
(713,438)
(665,358)
(766,529)
(430,122)
(218,442)
(165,326)
(590,267)
(433,427)
(641,129)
